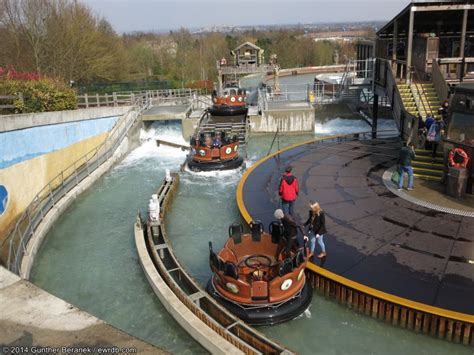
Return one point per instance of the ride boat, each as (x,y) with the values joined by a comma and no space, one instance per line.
(214,152)
(258,280)
(232,102)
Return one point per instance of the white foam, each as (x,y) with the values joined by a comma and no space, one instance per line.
(149,150)
(345,126)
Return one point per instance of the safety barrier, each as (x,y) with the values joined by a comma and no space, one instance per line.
(64,182)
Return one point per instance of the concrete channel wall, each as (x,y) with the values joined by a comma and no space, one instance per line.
(186,319)
(47,189)
(286,121)
(29,120)
(35,148)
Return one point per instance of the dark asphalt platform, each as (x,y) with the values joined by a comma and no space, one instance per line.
(374,237)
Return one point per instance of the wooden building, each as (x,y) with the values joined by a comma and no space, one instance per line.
(428,36)
(248,54)
(248,59)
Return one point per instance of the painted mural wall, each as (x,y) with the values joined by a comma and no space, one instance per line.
(30,158)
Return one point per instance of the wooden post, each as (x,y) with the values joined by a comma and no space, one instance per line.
(375,307)
(467,332)
(97,98)
(403,318)
(457,332)
(410,45)
(441,328)
(396,310)
(107,100)
(86,100)
(114,98)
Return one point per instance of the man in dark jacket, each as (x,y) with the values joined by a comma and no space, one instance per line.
(407,154)
(288,191)
(290,232)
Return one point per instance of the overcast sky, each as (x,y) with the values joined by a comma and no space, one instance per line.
(145,15)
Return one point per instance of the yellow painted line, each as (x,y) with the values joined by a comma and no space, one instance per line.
(335,277)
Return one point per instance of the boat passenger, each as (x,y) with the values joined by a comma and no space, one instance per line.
(208,142)
(290,228)
(217,143)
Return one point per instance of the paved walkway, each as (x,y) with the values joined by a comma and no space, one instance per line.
(374,237)
(34,319)
(431,194)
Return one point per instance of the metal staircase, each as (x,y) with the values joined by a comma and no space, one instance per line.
(420,99)
(232,126)
(427,168)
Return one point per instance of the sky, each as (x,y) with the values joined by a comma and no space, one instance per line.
(156,15)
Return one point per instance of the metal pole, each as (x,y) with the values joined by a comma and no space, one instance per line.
(394,46)
(410,45)
(463,43)
(375,116)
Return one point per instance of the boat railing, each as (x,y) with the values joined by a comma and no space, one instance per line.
(50,195)
(189,292)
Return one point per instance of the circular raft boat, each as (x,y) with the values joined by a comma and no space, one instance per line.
(256,279)
(206,156)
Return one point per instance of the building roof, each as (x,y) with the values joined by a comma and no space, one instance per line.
(433,19)
(248,44)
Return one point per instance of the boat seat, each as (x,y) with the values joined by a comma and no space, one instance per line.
(257,229)
(235,232)
(286,267)
(276,230)
(214,260)
(230,270)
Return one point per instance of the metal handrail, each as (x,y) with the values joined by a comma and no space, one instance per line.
(417,79)
(127,97)
(65,181)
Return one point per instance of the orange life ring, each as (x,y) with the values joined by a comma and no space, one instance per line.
(460,152)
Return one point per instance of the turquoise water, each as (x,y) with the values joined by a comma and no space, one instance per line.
(89,257)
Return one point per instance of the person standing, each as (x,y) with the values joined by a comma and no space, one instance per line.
(428,122)
(288,191)
(435,132)
(290,232)
(317,228)
(407,154)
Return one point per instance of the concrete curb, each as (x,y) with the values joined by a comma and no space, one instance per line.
(406,196)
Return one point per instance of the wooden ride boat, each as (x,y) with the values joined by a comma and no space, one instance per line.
(216,152)
(256,279)
(232,102)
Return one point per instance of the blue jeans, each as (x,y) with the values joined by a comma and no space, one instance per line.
(321,243)
(409,171)
(287,207)
(312,242)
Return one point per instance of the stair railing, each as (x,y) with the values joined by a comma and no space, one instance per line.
(420,89)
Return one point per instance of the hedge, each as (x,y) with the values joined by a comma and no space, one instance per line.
(41,95)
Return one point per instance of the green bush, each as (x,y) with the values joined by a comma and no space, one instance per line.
(42,95)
